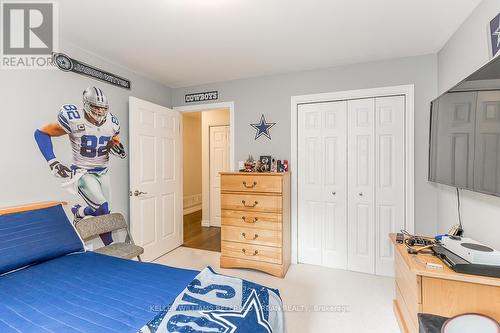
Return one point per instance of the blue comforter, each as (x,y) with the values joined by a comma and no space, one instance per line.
(215,303)
(87,292)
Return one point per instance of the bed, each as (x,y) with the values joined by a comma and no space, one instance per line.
(49,283)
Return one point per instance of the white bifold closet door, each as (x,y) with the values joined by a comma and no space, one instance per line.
(389,178)
(361,189)
(322,184)
(350,182)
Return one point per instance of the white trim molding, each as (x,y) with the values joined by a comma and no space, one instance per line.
(209,107)
(408,92)
(214,106)
(191,203)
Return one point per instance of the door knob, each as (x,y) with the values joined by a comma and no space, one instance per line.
(138,193)
(360,194)
(333,193)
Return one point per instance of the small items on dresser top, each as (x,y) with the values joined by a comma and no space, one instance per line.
(264,164)
(420,288)
(461,254)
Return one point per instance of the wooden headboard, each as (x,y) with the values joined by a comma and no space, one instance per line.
(32,206)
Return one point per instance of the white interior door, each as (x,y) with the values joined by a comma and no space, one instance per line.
(219,162)
(322,184)
(361,189)
(389,178)
(155,202)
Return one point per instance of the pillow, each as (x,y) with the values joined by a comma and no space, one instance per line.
(35,236)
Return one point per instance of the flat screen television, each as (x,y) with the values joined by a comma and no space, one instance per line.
(464,149)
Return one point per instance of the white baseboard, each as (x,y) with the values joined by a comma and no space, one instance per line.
(192,203)
(205,223)
(193,209)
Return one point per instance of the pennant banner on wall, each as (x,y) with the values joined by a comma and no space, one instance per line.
(67,64)
(201,97)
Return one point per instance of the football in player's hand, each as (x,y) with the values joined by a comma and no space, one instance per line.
(109,146)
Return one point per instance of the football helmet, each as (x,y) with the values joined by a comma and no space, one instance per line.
(95,104)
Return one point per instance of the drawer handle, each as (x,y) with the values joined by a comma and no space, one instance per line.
(249,186)
(251,254)
(245,219)
(250,206)
(245,236)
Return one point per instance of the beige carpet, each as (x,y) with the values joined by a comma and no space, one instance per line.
(319,300)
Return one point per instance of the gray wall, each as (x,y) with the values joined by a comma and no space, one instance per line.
(32,98)
(271,96)
(466,51)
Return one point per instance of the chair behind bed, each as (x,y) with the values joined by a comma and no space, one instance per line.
(90,228)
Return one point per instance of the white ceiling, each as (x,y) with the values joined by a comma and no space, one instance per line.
(189,42)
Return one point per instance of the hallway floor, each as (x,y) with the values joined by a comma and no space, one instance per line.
(198,237)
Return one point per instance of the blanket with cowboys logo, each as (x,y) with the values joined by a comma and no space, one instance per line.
(220,304)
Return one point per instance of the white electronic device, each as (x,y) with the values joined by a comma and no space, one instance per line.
(471,250)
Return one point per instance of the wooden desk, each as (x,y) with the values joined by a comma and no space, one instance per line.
(438,291)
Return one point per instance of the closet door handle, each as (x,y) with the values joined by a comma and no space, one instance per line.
(334,193)
(360,194)
(250,206)
(251,254)
(245,219)
(245,236)
(249,186)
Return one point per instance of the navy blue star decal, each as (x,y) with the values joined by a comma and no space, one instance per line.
(262,128)
(249,319)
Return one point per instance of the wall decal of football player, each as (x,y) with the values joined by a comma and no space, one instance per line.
(93,133)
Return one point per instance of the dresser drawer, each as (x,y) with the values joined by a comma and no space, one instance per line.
(409,318)
(251,183)
(252,252)
(252,202)
(409,284)
(251,236)
(238,218)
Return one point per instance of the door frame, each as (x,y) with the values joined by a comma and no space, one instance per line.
(201,108)
(408,92)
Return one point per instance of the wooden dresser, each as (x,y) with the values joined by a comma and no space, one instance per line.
(255,212)
(438,291)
